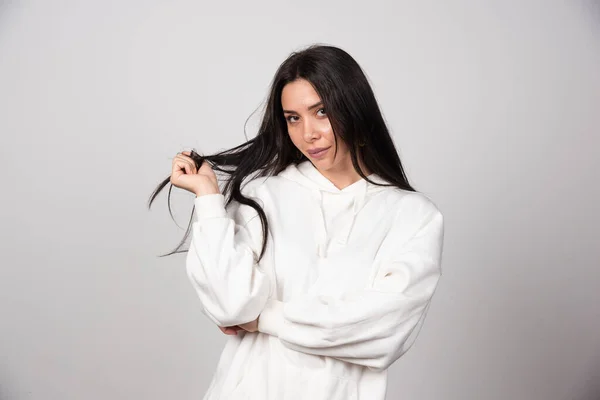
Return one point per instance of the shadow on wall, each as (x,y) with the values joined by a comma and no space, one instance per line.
(593,7)
(591,386)
(4,6)
(591,394)
(5,9)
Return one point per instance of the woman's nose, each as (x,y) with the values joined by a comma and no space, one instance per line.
(310,131)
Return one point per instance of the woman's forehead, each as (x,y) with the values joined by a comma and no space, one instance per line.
(299,95)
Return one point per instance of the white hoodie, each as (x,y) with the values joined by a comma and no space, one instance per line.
(341,291)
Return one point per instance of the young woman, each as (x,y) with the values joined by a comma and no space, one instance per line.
(317,257)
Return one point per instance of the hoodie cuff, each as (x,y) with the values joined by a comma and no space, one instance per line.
(210,206)
(271,319)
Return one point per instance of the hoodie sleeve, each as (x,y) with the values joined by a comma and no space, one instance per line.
(375,326)
(221,261)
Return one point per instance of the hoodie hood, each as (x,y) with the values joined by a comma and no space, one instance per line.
(307,175)
(328,197)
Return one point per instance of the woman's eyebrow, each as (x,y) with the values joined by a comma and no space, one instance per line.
(320,103)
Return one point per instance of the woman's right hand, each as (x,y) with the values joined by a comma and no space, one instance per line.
(230,330)
(184,175)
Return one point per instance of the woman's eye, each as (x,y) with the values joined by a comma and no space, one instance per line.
(291,118)
(322,111)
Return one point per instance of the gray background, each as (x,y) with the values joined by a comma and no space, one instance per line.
(495,107)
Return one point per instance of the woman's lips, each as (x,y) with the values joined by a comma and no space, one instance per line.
(318,153)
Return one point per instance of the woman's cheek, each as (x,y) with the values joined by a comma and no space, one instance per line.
(326,130)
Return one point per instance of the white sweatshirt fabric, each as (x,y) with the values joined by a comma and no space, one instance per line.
(342,290)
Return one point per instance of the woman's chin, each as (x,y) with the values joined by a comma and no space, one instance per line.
(324,164)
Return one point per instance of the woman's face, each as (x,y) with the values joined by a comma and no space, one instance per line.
(310,129)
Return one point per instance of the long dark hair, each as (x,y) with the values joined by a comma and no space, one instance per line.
(351,108)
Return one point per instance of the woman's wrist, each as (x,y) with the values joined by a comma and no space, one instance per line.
(204,190)
(210,206)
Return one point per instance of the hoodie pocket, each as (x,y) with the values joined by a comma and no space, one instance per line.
(295,385)
(320,386)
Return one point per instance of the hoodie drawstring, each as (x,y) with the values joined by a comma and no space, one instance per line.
(322,233)
(358,201)
(306,174)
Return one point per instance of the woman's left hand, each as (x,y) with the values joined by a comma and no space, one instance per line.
(230,330)
(251,326)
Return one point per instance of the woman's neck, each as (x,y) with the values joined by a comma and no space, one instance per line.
(344,175)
